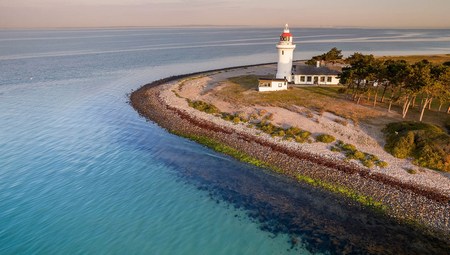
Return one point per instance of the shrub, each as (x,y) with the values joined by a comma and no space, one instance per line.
(304,134)
(203,106)
(372,157)
(411,171)
(335,149)
(381,164)
(236,120)
(367,163)
(428,144)
(359,155)
(404,146)
(226,116)
(293,131)
(349,147)
(325,138)
(302,137)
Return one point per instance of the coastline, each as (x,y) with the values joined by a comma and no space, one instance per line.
(423,206)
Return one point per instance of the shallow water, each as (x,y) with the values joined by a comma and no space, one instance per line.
(81,172)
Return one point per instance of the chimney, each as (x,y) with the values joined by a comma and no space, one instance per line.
(318,63)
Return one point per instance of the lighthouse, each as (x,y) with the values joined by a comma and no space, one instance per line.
(285,55)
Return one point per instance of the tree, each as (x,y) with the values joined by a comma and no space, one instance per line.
(396,73)
(433,88)
(358,74)
(378,75)
(443,95)
(419,80)
(332,55)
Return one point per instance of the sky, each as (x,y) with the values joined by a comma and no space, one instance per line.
(258,13)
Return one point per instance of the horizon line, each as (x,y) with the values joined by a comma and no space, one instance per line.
(218,26)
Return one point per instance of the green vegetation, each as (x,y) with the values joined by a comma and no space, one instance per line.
(435,59)
(203,106)
(406,84)
(333,55)
(338,189)
(219,147)
(411,171)
(428,144)
(321,99)
(350,151)
(246,82)
(325,138)
(364,200)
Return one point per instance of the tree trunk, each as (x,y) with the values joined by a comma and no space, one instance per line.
(429,104)
(406,106)
(375,98)
(356,90)
(414,102)
(390,105)
(448,110)
(359,99)
(427,101)
(384,93)
(440,106)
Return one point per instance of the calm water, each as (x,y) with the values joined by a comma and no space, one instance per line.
(82,173)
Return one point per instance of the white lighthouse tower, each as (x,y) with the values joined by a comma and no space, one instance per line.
(285,55)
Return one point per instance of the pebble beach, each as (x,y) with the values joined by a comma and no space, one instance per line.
(423,199)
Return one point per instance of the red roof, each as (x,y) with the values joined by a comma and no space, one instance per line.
(286,35)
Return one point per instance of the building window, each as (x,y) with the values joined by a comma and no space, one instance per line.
(322,79)
(329,79)
(280,84)
(308,78)
(302,78)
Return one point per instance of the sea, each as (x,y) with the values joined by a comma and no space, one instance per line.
(82,173)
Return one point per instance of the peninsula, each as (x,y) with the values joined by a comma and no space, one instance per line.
(302,138)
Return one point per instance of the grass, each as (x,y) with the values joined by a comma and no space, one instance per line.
(241,90)
(241,156)
(428,144)
(436,59)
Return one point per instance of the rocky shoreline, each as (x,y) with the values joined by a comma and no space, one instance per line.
(404,201)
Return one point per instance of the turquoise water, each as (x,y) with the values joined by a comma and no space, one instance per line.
(82,173)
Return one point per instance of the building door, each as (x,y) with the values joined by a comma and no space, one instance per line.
(316,80)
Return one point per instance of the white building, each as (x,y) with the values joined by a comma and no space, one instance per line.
(269,84)
(316,75)
(301,74)
(285,55)
(284,68)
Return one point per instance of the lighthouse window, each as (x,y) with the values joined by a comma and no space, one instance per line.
(282,52)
